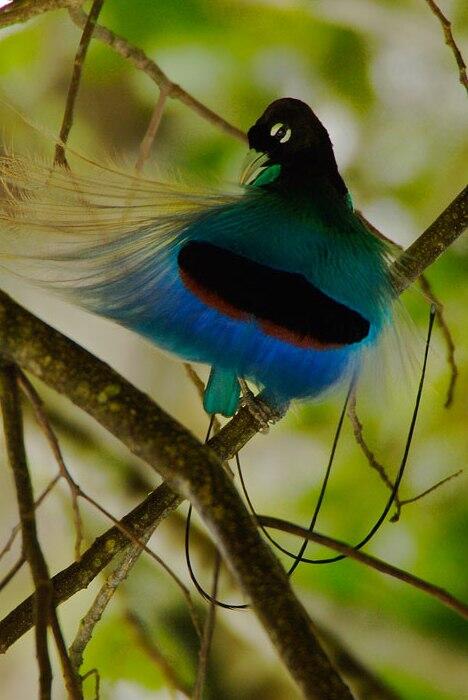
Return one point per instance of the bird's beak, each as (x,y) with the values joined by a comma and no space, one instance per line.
(253,163)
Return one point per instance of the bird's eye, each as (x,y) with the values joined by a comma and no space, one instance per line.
(281,132)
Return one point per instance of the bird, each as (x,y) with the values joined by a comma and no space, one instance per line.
(277,282)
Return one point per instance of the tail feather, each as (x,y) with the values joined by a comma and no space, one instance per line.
(94,232)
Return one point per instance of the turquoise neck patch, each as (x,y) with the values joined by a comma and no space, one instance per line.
(267,176)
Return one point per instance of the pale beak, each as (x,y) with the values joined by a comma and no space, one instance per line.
(253,163)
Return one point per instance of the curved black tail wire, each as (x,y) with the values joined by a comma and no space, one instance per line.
(298,558)
(198,586)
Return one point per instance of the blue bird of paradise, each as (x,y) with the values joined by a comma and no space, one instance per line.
(278,282)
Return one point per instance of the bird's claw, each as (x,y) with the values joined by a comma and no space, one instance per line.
(262,412)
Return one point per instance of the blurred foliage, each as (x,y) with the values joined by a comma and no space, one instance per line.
(380,76)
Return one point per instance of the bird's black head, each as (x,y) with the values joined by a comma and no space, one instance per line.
(292,135)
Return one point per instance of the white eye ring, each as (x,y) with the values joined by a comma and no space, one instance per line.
(276,127)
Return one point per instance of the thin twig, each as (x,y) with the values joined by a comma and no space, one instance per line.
(359,437)
(60,157)
(153,126)
(137,541)
(97,681)
(435,591)
(77,492)
(44,424)
(380,469)
(17,528)
(102,600)
(37,502)
(450,41)
(13,426)
(141,61)
(399,505)
(207,637)
(147,645)
(449,343)
(146,144)
(12,572)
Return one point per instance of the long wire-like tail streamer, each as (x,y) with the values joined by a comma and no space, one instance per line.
(198,586)
(298,558)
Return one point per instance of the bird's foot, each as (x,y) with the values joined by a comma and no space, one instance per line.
(263,412)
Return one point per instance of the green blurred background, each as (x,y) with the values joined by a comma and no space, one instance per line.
(379,75)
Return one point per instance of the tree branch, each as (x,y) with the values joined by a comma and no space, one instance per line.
(432,243)
(13,426)
(435,591)
(44,606)
(23,10)
(140,61)
(450,41)
(88,623)
(146,644)
(193,471)
(67,123)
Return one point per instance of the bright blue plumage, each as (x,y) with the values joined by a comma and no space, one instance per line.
(295,219)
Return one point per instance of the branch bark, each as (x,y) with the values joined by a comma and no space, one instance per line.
(432,243)
(13,426)
(44,606)
(24,10)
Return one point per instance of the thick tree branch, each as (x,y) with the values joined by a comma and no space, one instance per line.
(156,506)
(190,469)
(432,243)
